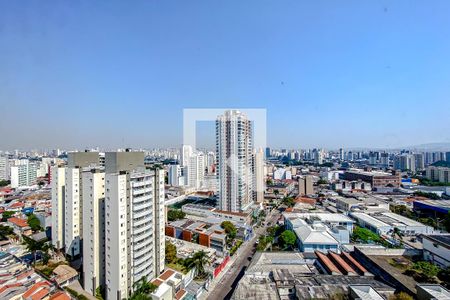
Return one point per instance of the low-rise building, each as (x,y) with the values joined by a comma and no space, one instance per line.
(384,223)
(293,275)
(20,226)
(205,234)
(319,231)
(436,249)
(377,179)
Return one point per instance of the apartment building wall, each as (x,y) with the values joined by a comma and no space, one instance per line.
(58,184)
(93,229)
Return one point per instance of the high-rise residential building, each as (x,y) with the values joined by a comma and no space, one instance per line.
(186,153)
(405,162)
(58,184)
(196,170)
(373,158)
(23,173)
(305,185)
(384,159)
(4,168)
(134,223)
(175,175)
(318,155)
(268,152)
(419,161)
(441,174)
(341,154)
(73,200)
(447,156)
(259,176)
(93,185)
(234,149)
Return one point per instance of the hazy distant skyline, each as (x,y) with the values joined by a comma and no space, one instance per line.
(119,74)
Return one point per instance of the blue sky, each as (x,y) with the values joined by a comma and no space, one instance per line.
(331,74)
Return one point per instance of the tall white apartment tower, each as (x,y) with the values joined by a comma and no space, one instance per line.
(93,184)
(234,149)
(196,170)
(134,222)
(186,153)
(73,199)
(4,168)
(58,185)
(259,175)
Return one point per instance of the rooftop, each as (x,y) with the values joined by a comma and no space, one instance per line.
(18,222)
(368,173)
(64,273)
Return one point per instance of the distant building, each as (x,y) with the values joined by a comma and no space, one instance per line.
(23,174)
(405,162)
(436,249)
(259,176)
(4,168)
(385,222)
(281,174)
(305,186)
(234,150)
(175,176)
(441,174)
(375,178)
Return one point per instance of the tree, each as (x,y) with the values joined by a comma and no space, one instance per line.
(100,292)
(427,195)
(33,246)
(423,271)
(365,235)
(322,181)
(7,214)
(397,233)
(230,230)
(4,183)
(447,222)
(276,193)
(444,276)
(175,214)
(142,289)
(401,296)
(288,201)
(171,253)
(272,231)
(198,261)
(5,231)
(288,238)
(34,223)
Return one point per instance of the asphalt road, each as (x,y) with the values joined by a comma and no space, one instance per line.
(225,288)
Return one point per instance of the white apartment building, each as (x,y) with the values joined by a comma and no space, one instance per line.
(186,153)
(441,174)
(58,197)
(259,176)
(4,168)
(196,170)
(73,202)
(67,201)
(234,150)
(93,182)
(175,175)
(405,162)
(23,174)
(282,174)
(134,225)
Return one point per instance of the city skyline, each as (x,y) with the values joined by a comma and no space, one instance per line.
(75,77)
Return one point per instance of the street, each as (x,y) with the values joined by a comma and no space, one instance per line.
(224,288)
